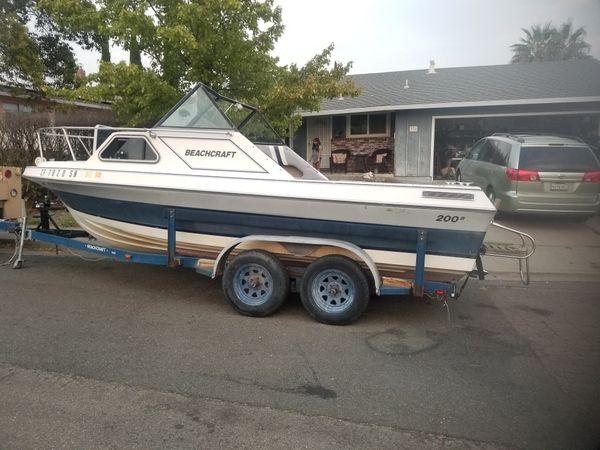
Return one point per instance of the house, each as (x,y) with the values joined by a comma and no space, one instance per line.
(27,101)
(425,117)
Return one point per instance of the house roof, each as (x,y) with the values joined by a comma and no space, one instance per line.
(534,83)
(33,94)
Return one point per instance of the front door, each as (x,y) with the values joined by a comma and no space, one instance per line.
(319,127)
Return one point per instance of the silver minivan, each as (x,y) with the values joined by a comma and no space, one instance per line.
(535,174)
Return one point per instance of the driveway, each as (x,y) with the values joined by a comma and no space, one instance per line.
(97,354)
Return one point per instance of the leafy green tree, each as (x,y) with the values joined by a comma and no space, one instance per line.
(82,21)
(548,43)
(29,58)
(304,88)
(20,62)
(225,44)
(138,96)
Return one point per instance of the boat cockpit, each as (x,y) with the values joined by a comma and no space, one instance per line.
(200,111)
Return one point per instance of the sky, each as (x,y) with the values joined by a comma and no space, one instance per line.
(392,35)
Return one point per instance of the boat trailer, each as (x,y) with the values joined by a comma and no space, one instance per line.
(417,286)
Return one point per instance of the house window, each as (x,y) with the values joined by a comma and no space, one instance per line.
(368,125)
(338,126)
(10,107)
(359,125)
(25,109)
(129,149)
(377,123)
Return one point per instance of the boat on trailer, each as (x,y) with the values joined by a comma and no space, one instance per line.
(213,179)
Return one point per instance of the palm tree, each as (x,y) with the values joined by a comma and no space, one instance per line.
(571,43)
(547,43)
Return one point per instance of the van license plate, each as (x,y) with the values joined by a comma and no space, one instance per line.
(559,187)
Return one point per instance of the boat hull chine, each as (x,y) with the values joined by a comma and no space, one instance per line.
(230,224)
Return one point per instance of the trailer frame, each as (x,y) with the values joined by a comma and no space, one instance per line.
(418,286)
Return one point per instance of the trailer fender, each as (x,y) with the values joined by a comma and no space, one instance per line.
(301,240)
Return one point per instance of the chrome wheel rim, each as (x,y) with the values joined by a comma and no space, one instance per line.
(253,284)
(333,291)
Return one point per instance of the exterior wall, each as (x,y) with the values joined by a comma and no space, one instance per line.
(23,104)
(15,104)
(413,150)
(300,139)
(412,144)
(361,145)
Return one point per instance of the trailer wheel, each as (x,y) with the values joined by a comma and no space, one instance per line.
(335,290)
(256,283)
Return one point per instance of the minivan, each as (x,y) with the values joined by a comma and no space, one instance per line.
(535,174)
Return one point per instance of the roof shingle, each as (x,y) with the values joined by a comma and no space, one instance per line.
(546,80)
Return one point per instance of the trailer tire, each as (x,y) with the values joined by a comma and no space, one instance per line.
(335,290)
(256,283)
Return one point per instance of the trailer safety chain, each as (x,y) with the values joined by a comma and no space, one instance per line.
(83,257)
(14,259)
(15,253)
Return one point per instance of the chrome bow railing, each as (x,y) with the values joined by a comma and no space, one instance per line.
(73,143)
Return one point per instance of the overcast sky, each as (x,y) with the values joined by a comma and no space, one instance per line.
(389,35)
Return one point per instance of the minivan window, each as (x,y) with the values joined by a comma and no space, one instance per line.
(474,153)
(557,159)
(500,152)
(495,152)
(487,152)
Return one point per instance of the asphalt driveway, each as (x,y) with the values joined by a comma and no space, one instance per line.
(97,354)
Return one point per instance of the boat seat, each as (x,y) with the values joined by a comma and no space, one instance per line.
(293,171)
(289,160)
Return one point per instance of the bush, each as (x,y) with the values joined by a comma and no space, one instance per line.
(18,139)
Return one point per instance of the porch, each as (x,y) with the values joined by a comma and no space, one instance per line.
(356,144)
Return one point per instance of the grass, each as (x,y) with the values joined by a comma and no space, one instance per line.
(61,216)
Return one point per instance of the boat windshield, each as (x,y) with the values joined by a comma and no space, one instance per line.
(204,108)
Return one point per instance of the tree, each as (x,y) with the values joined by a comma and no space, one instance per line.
(29,58)
(304,88)
(138,96)
(225,44)
(547,43)
(20,62)
(81,21)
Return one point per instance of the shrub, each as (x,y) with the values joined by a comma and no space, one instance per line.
(19,144)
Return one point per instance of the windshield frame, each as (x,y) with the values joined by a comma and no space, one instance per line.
(214,96)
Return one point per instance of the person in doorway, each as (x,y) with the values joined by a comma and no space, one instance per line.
(317,149)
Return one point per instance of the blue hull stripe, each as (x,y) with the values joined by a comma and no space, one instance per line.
(464,244)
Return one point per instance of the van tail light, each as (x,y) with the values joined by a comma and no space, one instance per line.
(592,177)
(522,175)
(7,173)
